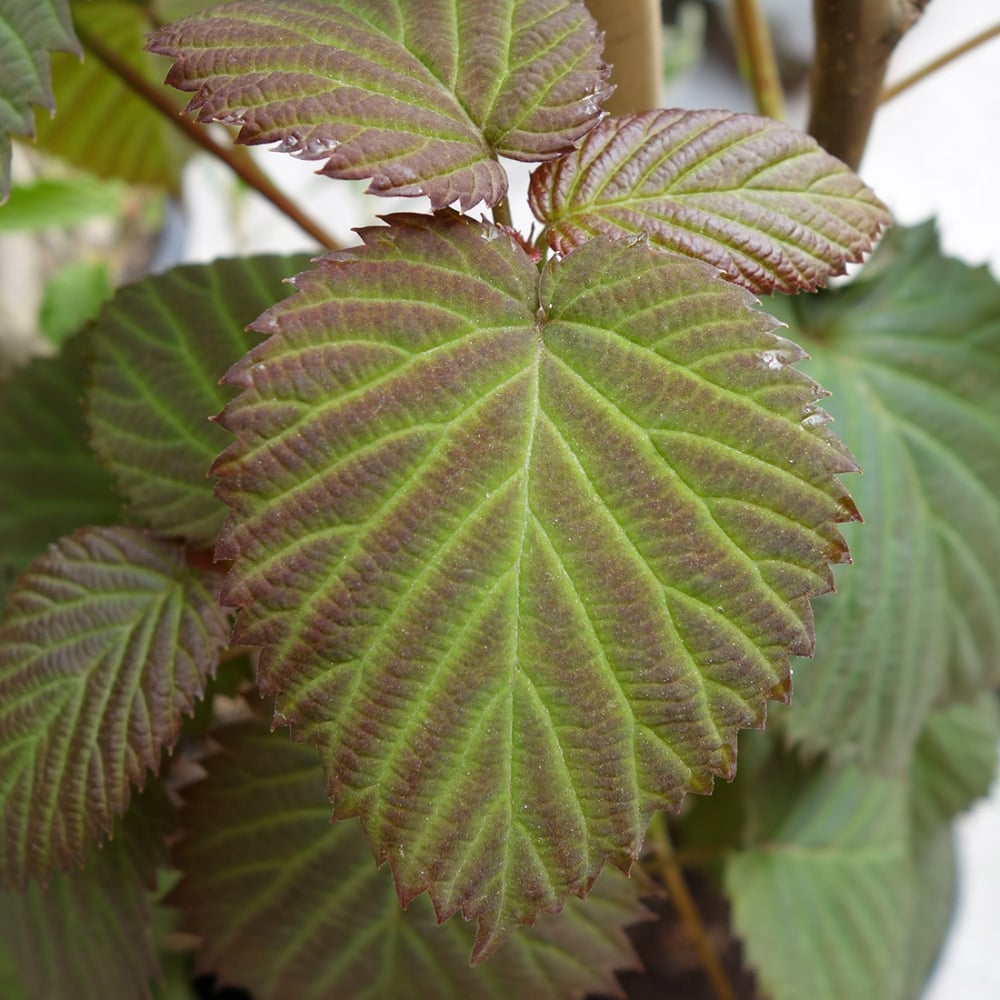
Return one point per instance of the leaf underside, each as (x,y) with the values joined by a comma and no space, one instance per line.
(524,551)
(287,905)
(106,641)
(911,351)
(161,346)
(29,31)
(755,198)
(419,100)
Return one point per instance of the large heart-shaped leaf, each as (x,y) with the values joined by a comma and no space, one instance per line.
(419,99)
(759,200)
(287,905)
(106,641)
(50,481)
(911,351)
(524,550)
(161,347)
(29,30)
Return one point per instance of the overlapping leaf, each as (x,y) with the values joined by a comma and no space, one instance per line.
(911,352)
(286,904)
(50,482)
(418,98)
(103,126)
(822,896)
(107,640)
(87,934)
(760,201)
(524,551)
(955,760)
(29,31)
(161,347)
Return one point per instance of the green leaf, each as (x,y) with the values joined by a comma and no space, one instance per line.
(911,352)
(955,760)
(45,203)
(162,345)
(88,933)
(822,894)
(287,905)
(755,198)
(73,295)
(106,642)
(420,100)
(103,126)
(504,538)
(934,876)
(50,482)
(29,31)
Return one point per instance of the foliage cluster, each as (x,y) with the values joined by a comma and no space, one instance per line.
(514,533)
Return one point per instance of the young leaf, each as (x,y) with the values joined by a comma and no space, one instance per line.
(418,97)
(161,346)
(911,351)
(29,30)
(755,198)
(107,640)
(523,550)
(288,905)
(87,934)
(826,875)
(50,482)
(103,126)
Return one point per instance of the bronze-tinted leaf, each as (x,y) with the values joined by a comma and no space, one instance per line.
(755,198)
(287,905)
(419,97)
(106,642)
(523,551)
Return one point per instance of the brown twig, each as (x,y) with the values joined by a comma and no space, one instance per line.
(935,64)
(854,39)
(633,45)
(665,859)
(235,158)
(757,60)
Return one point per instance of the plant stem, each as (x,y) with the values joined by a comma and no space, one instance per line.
(235,158)
(501,213)
(935,64)
(673,878)
(633,46)
(854,39)
(753,42)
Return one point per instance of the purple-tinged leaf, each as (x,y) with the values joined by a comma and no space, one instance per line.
(418,96)
(107,640)
(523,551)
(756,199)
(94,926)
(287,905)
(161,346)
